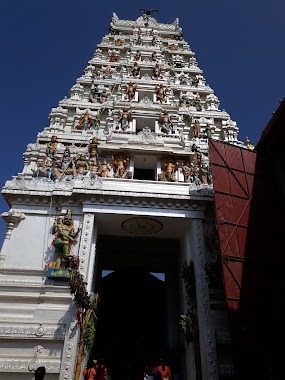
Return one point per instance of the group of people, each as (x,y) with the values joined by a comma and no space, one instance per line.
(159,371)
(95,370)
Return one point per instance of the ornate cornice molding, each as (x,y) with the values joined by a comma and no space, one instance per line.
(24,365)
(33,332)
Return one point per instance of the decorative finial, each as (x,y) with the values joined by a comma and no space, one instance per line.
(147,13)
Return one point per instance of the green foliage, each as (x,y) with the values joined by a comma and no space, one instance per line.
(90,333)
(185,325)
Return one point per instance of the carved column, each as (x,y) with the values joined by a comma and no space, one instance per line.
(11,218)
(207,337)
(86,268)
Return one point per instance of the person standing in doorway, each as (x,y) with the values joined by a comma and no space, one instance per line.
(101,370)
(89,372)
(164,370)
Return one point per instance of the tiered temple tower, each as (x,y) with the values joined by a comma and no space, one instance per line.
(121,179)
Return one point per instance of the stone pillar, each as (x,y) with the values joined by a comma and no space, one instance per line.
(86,267)
(207,337)
(11,218)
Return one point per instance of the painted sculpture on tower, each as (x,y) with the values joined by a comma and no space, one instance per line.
(137,56)
(196,129)
(93,155)
(166,124)
(86,121)
(43,169)
(124,120)
(65,237)
(135,70)
(156,72)
(81,165)
(51,147)
(130,90)
(161,93)
(65,166)
(104,169)
(120,162)
(169,168)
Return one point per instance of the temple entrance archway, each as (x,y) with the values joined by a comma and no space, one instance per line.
(133,317)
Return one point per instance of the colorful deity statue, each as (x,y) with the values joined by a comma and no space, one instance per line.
(43,168)
(137,56)
(124,119)
(130,90)
(135,70)
(120,162)
(108,73)
(51,147)
(94,94)
(81,165)
(154,56)
(156,72)
(165,122)
(104,169)
(113,56)
(93,154)
(65,236)
(86,121)
(161,92)
(197,103)
(65,166)
(169,167)
(187,171)
(196,129)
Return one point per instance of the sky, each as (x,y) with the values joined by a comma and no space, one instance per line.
(46,44)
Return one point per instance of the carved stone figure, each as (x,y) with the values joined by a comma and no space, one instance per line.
(165,123)
(135,70)
(184,101)
(187,171)
(86,121)
(196,129)
(248,144)
(137,56)
(103,97)
(65,166)
(104,169)
(81,165)
(169,167)
(120,162)
(154,56)
(124,119)
(130,90)
(156,72)
(183,80)
(113,56)
(65,236)
(51,147)
(94,94)
(107,74)
(161,92)
(43,168)
(197,103)
(93,154)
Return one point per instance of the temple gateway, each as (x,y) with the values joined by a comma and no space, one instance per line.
(111,248)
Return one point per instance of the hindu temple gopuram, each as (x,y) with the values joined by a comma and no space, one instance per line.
(111,249)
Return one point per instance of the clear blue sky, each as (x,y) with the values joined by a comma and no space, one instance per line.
(45,46)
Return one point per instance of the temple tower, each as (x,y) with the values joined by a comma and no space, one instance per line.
(120,179)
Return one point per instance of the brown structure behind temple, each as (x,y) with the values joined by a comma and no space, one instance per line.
(249,190)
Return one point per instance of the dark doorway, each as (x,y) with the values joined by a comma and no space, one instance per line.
(144,174)
(131,322)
